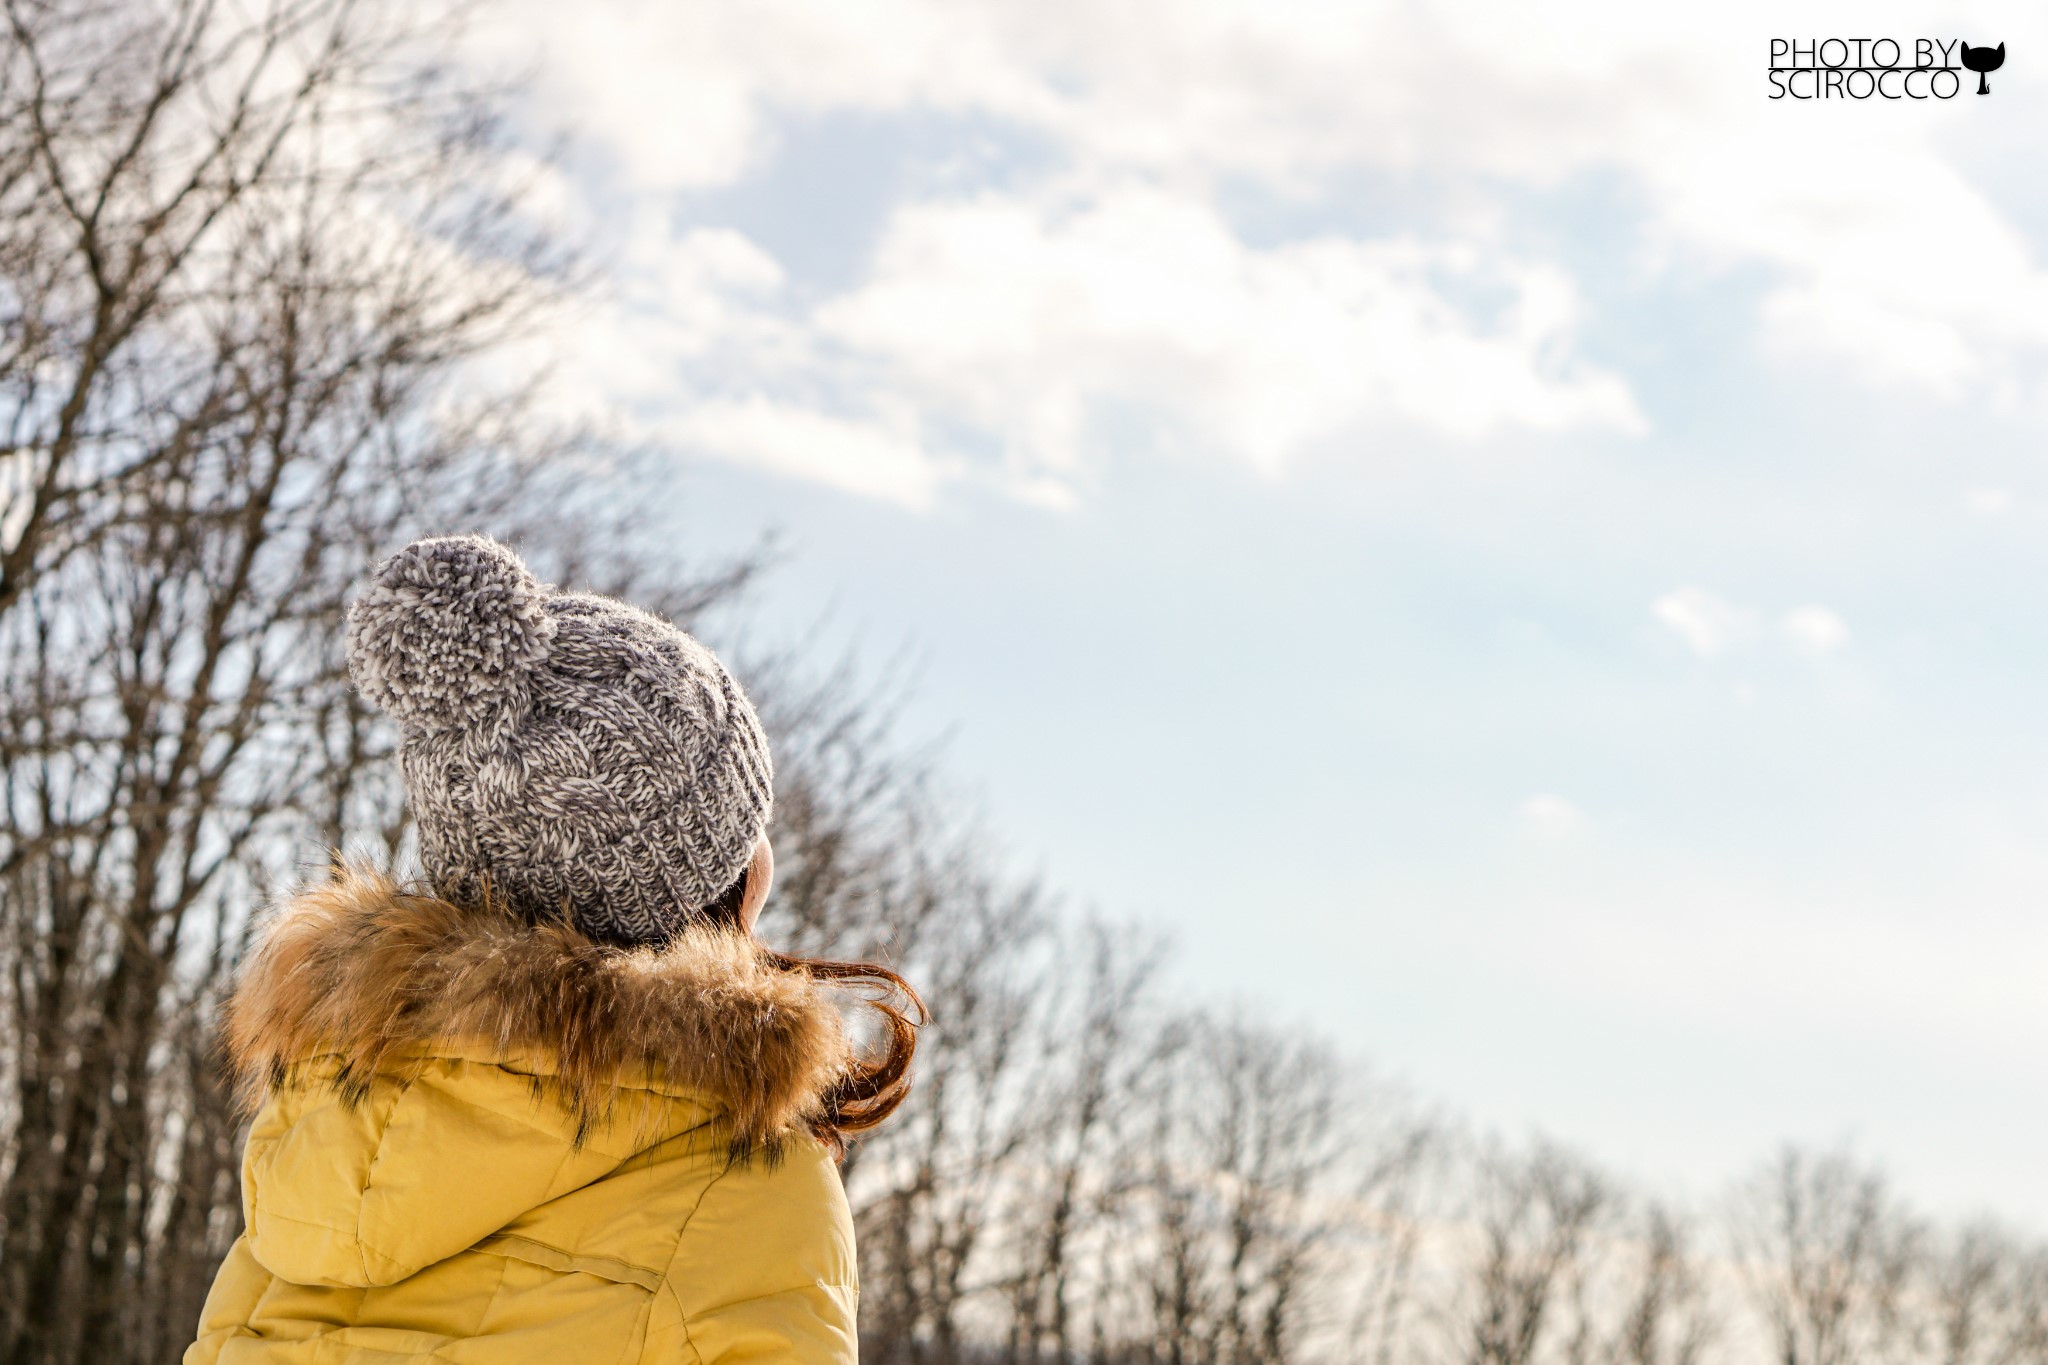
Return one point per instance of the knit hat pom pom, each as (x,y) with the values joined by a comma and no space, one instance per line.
(447,632)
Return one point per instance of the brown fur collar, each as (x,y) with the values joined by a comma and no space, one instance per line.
(364,969)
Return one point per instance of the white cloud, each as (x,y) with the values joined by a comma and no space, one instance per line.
(1013,325)
(1711,626)
(671,93)
(876,458)
(1550,816)
(1021,318)
(1989,502)
(1708,625)
(1127,286)
(1814,630)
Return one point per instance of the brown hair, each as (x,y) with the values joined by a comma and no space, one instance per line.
(872,1088)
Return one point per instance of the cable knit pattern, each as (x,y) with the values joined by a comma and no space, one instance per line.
(569,753)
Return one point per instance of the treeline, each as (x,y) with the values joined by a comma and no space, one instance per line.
(1095,1173)
(252,261)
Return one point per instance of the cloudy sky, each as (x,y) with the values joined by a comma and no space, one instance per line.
(1524,552)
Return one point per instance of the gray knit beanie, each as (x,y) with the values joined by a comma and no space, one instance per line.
(570,751)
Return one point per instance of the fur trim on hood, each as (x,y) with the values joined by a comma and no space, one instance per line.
(362,969)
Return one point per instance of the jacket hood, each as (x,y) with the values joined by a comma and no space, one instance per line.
(377,977)
(429,1075)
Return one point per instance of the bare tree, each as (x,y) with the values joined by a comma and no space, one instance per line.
(1667,1317)
(247,258)
(929,1192)
(1233,1184)
(1066,1202)
(1987,1295)
(1537,1213)
(1828,1257)
(1402,1162)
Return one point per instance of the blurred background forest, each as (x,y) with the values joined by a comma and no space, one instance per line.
(256,263)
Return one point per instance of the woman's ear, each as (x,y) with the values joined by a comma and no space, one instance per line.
(760,876)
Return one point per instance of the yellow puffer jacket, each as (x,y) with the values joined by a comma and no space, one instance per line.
(485,1142)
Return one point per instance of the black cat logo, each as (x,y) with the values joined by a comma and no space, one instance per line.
(1983,61)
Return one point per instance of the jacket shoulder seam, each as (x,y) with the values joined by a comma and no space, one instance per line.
(519,1247)
(370,1178)
(683,1316)
(272,1215)
(668,1280)
(851,1286)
